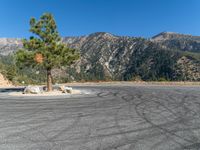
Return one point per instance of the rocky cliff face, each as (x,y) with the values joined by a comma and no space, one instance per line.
(106,56)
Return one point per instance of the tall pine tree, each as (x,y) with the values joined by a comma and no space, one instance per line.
(45,49)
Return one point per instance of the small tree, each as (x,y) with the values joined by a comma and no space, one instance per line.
(45,49)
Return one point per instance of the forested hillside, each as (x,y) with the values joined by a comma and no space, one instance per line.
(166,56)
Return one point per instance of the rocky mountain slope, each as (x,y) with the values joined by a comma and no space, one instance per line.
(177,41)
(167,56)
(125,58)
(8,45)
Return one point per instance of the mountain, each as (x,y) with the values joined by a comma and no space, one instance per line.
(104,56)
(125,58)
(8,45)
(177,41)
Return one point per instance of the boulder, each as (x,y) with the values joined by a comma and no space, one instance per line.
(61,88)
(67,90)
(32,90)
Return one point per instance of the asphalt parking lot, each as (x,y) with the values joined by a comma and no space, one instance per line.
(109,118)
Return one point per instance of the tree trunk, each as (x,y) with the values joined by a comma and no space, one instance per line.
(49,80)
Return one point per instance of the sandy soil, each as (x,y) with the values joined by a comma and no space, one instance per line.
(4,82)
(53,93)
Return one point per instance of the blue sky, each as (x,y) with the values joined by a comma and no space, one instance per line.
(121,17)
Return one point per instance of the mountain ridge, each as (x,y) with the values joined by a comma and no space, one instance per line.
(110,57)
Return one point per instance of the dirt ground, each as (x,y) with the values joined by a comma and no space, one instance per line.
(4,82)
(53,93)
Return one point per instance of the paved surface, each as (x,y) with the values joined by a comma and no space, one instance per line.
(111,118)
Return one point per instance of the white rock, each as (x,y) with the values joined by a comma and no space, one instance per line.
(68,89)
(32,90)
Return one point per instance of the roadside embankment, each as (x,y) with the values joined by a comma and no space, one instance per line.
(4,82)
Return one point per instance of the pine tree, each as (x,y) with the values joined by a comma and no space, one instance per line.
(45,49)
